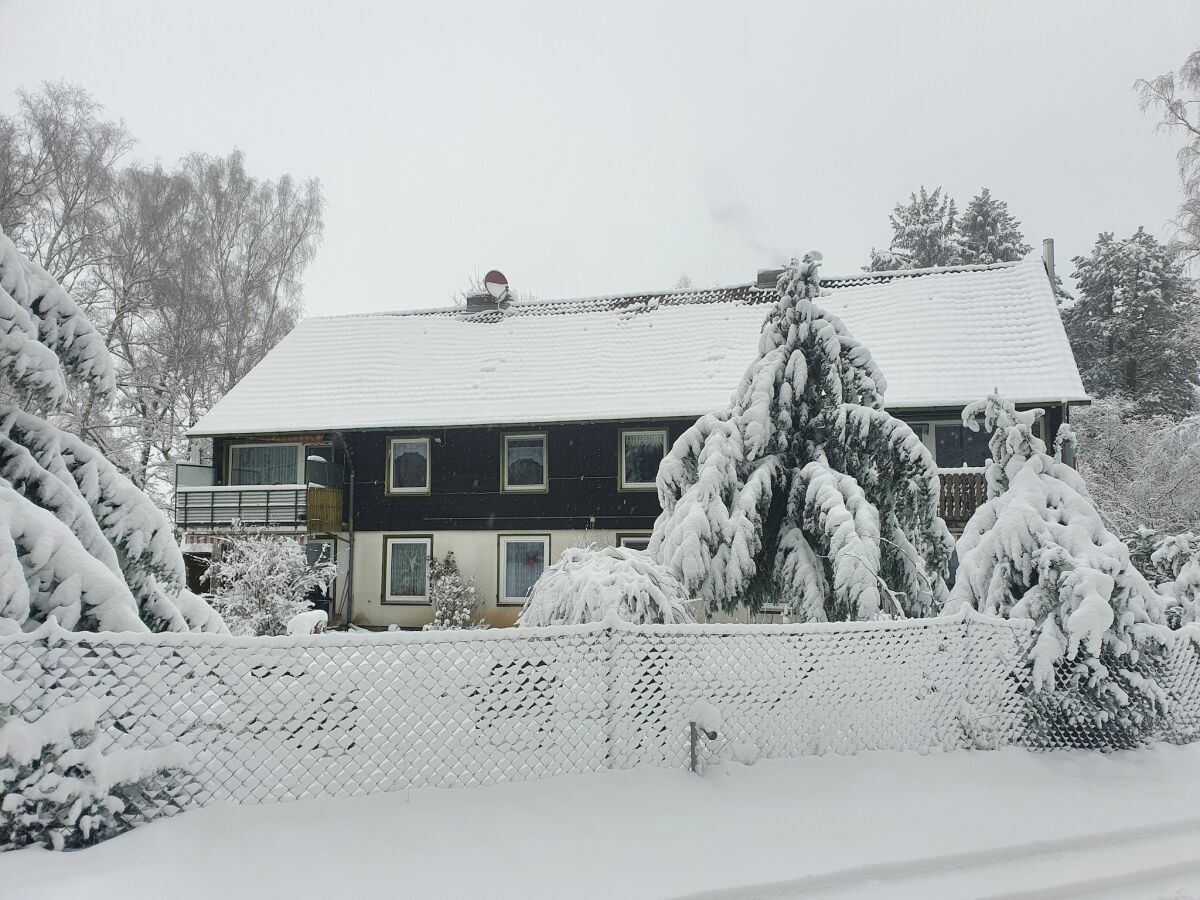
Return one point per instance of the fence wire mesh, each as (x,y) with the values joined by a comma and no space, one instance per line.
(341,715)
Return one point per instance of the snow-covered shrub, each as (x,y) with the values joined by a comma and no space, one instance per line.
(78,540)
(1037,549)
(261,581)
(1141,470)
(313,621)
(589,582)
(805,492)
(61,788)
(452,596)
(1172,563)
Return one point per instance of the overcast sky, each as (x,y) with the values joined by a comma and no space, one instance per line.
(608,147)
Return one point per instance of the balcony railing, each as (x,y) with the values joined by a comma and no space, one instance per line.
(298,506)
(963,491)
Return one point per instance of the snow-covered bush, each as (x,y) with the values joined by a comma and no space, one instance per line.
(1037,549)
(1141,470)
(805,491)
(452,596)
(78,540)
(1172,563)
(589,582)
(261,581)
(61,788)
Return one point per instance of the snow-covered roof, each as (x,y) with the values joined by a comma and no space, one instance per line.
(942,337)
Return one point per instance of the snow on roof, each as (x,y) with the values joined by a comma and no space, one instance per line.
(942,337)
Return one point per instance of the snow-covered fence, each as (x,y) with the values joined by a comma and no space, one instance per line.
(343,714)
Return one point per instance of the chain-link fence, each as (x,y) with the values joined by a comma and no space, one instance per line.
(271,719)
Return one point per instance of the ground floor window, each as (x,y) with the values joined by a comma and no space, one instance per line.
(634,541)
(406,572)
(522,561)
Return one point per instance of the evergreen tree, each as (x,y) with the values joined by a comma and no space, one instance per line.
(924,234)
(1038,549)
(804,490)
(990,233)
(77,539)
(1133,325)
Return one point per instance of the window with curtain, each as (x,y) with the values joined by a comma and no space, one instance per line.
(408,569)
(641,454)
(524,462)
(409,472)
(264,464)
(522,561)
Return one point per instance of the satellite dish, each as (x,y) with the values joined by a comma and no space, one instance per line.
(496,284)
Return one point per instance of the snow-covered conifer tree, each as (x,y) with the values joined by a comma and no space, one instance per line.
(924,234)
(452,596)
(804,491)
(989,232)
(1133,326)
(77,539)
(1037,549)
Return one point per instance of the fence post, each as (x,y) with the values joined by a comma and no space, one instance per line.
(610,689)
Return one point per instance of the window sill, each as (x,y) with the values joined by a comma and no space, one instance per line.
(414,602)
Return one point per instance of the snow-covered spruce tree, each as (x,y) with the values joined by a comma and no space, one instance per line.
(1134,325)
(989,233)
(63,787)
(1171,562)
(588,583)
(1037,549)
(924,234)
(77,539)
(452,596)
(805,491)
(262,581)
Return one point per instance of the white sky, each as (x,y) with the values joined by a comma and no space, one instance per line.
(608,147)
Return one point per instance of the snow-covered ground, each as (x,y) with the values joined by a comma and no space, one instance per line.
(981,824)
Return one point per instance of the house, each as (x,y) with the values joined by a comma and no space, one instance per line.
(508,434)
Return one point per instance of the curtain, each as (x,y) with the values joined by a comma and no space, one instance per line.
(268,464)
(523,565)
(409,464)
(408,567)
(643,454)
(526,461)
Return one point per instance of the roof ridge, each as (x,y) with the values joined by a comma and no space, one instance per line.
(864,277)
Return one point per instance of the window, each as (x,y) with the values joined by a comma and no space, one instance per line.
(524,467)
(408,466)
(265,464)
(522,561)
(641,453)
(406,576)
(956,446)
(634,541)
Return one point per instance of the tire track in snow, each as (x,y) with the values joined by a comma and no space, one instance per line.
(900,876)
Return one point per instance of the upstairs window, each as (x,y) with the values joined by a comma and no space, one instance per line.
(524,464)
(956,446)
(641,454)
(407,574)
(265,464)
(522,561)
(408,466)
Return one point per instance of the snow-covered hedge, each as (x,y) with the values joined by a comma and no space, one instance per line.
(588,584)
(62,788)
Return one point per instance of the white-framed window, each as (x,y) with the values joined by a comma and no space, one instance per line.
(523,467)
(408,465)
(266,464)
(523,558)
(406,569)
(634,541)
(641,454)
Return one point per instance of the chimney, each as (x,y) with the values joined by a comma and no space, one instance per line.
(768,278)
(1048,257)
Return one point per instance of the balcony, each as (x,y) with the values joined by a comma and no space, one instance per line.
(201,505)
(963,491)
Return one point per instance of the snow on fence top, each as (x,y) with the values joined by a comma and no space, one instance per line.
(943,337)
